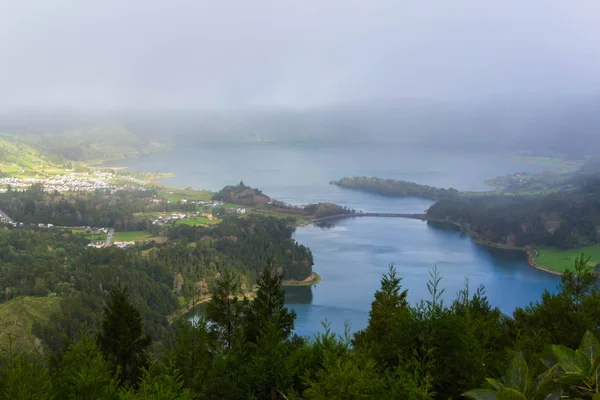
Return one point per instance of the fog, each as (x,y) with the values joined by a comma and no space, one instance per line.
(393,69)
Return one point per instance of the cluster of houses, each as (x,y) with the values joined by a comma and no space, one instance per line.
(163,219)
(73,182)
(89,229)
(123,244)
(215,203)
(119,244)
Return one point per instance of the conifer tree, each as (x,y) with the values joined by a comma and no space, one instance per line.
(122,339)
(269,307)
(224,310)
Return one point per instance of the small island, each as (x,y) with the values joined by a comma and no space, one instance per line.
(395,188)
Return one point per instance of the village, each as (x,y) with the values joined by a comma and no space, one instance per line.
(75,182)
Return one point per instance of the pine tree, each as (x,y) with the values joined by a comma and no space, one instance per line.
(389,315)
(224,310)
(269,307)
(85,374)
(122,339)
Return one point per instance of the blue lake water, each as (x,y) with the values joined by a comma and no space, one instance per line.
(352,256)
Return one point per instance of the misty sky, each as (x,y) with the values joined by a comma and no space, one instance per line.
(220,54)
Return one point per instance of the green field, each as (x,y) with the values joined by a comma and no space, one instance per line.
(17,317)
(135,236)
(561,260)
(188,194)
(197,221)
(94,237)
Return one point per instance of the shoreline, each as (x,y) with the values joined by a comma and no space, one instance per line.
(312,280)
(531,252)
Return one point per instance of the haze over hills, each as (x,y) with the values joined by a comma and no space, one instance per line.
(565,126)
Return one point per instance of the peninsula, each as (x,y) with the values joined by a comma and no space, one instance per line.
(395,188)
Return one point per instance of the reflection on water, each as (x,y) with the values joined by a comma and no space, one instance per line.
(298,294)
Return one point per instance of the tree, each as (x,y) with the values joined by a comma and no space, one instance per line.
(22,377)
(561,318)
(85,374)
(122,339)
(269,307)
(156,385)
(389,315)
(268,326)
(225,310)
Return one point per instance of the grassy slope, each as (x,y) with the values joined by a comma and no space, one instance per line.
(16,156)
(17,317)
(560,260)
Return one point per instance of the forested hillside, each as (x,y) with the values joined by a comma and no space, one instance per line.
(100,208)
(242,194)
(161,278)
(563,219)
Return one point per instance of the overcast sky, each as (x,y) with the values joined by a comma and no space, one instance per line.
(220,54)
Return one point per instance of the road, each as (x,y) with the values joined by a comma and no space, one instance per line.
(5,216)
(109,236)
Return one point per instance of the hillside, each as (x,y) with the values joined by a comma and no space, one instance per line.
(18,315)
(242,194)
(565,220)
(107,141)
(17,157)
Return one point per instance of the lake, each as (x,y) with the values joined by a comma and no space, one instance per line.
(352,255)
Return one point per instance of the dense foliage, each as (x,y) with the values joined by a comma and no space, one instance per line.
(99,209)
(395,188)
(241,194)
(161,278)
(245,349)
(565,220)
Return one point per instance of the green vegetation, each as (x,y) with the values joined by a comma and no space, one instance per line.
(394,188)
(196,221)
(131,236)
(97,209)
(242,194)
(565,219)
(108,141)
(560,260)
(186,194)
(18,315)
(92,237)
(19,159)
(247,349)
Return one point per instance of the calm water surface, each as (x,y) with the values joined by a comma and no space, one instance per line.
(352,256)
